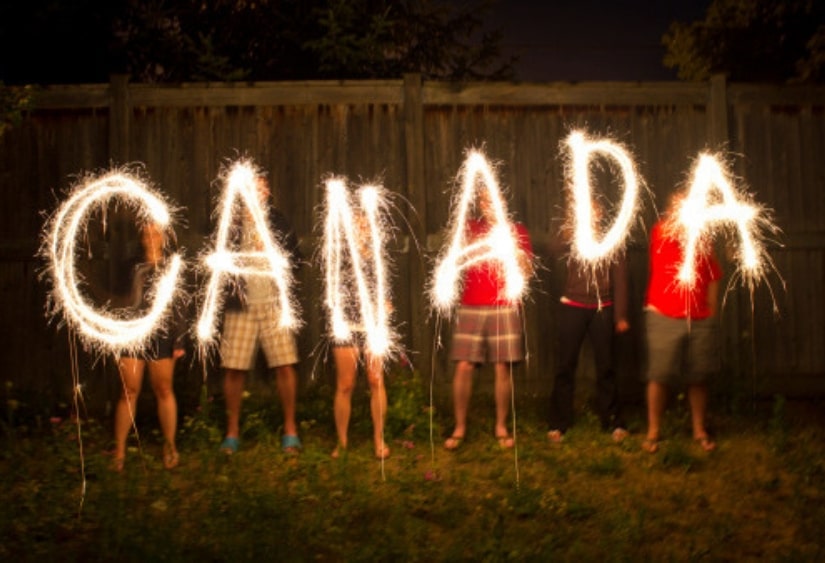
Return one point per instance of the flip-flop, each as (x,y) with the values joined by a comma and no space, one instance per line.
(229,445)
(290,444)
(453,443)
(506,442)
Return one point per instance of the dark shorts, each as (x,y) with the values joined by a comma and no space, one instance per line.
(677,346)
(159,347)
(488,334)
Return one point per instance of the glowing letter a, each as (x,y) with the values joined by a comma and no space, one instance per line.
(697,216)
(499,245)
(270,261)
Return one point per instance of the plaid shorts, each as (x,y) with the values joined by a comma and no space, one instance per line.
(492,334)
(674,346)
(244,330)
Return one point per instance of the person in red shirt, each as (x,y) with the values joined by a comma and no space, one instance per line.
(488,328)
(681,327)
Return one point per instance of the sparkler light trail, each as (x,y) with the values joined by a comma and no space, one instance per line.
(585,246)
(105,329)
(270,261)
(357,237)
(711,202)
(499,246)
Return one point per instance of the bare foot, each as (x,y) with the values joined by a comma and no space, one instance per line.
(619,434)
(453,443)
(555,436)
(382,452)
(651,445)
(706,443)
(171,459)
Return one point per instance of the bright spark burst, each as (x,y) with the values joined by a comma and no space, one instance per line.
(586,247)
(713,202)
(105,329)
(272,261)
(499,246)
(357,237)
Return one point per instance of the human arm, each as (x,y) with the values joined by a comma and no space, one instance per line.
(619,281)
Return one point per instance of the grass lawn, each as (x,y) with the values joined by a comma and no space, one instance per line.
(761,495)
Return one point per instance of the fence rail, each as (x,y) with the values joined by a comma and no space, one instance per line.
(411,135)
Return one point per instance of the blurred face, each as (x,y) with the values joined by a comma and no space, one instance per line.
(152,238)
(485,205)
(263,189)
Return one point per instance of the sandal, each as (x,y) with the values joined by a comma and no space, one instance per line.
(506,442)
(290,444)
(229,445)
(453,443)
(706,443)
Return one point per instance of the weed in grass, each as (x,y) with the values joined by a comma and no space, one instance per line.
(778,425)
(605,465)
(677,456)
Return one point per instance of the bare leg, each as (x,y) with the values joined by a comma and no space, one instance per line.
(287,389)
(378,404)
(233,386)
(462,390)
(503,394)
(656,400)
(698,398)
(131,377)
(346,366)
(160,376)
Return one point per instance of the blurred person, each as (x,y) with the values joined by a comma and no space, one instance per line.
(681,327)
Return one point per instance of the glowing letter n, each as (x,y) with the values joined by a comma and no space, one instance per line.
(362,241)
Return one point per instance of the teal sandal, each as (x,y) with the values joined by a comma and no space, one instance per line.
(290,444)
(229,445)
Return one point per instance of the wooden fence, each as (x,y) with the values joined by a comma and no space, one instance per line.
(411,135)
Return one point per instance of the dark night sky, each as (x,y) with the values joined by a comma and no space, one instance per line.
(576,40)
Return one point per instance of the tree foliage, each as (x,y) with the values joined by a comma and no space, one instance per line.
(197,40)
(751,40)
(14,102)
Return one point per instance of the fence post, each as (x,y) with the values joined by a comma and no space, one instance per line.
(119,118)
(417,215)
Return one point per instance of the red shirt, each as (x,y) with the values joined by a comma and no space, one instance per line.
(483,282)
(664,290)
